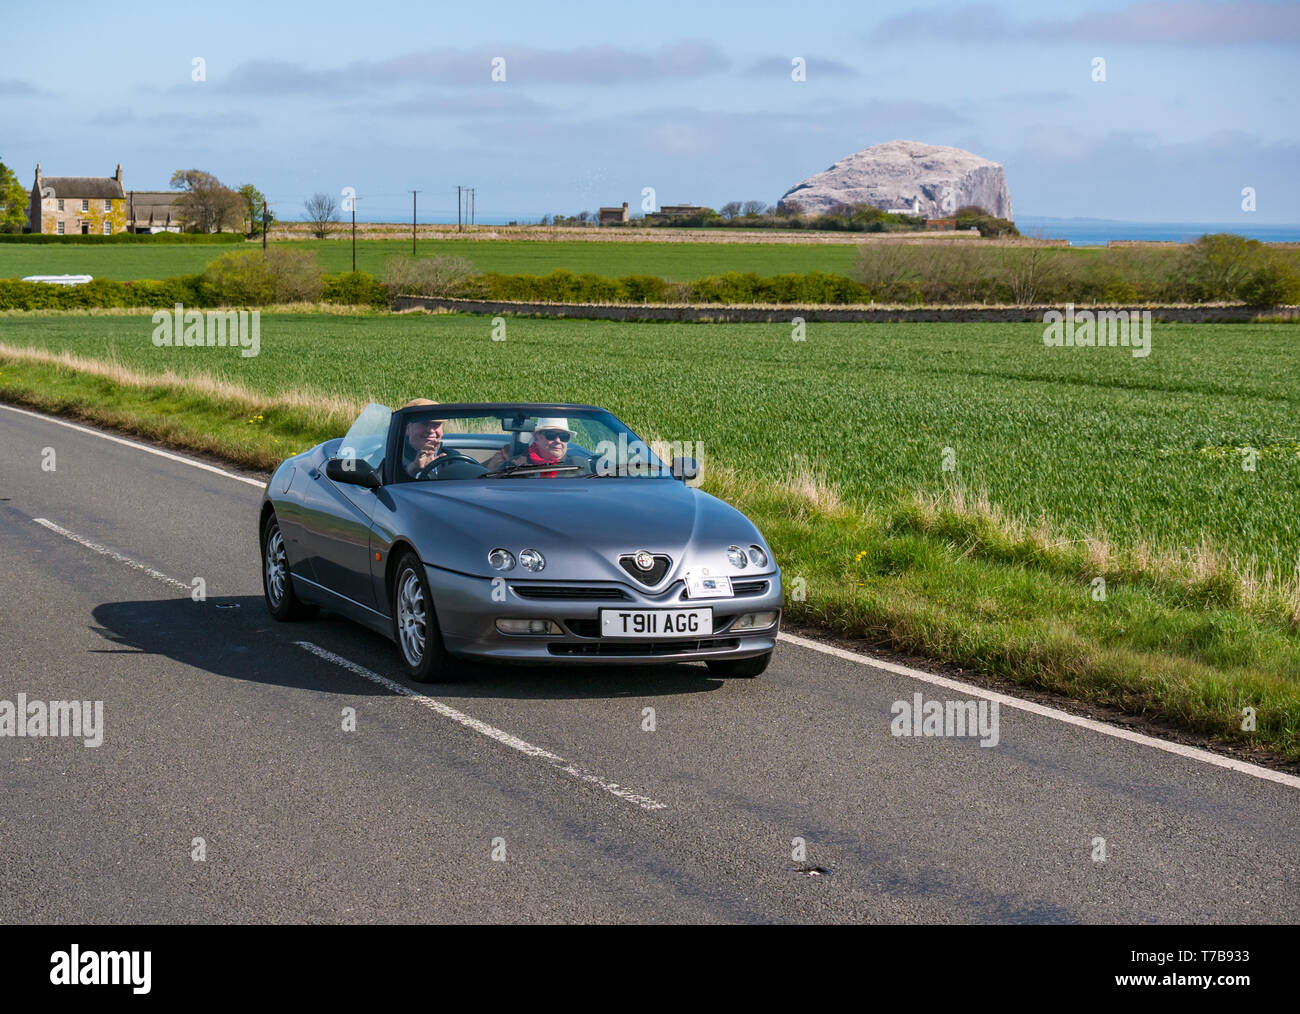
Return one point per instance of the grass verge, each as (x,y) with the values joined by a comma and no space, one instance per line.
(1184,640)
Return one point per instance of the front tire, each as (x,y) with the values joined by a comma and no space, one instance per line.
(282,601)
(739,668)
(415,627)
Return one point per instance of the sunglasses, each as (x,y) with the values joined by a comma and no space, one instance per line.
(555,434)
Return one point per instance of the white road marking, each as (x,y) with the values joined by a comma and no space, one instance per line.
(138,446)
(514,742)
(114,555)
(1190,752)
(969,689)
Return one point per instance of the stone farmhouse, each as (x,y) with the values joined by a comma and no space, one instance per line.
(98,205)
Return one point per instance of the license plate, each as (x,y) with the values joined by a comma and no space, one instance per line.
(699,587)
(648,623)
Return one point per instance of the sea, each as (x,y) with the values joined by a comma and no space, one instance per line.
(1100,231)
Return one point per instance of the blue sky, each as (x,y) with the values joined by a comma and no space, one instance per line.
(695,100)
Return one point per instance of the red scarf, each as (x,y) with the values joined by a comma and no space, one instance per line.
(537,459)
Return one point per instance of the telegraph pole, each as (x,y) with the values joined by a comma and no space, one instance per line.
(459,204)
(472,192)
(413,193)
(266,217)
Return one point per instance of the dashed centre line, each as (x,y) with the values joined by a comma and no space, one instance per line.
(469,722)
(446,711)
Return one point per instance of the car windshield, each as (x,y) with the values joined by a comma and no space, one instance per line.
(367,438)
(495,444)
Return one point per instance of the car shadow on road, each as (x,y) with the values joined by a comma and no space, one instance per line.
(234,637)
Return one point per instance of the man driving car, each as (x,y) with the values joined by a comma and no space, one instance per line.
(423,440)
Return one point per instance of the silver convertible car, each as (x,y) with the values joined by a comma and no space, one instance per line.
(524,532)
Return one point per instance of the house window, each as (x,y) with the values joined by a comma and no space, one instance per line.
(108,204)
(60,228)
(108,228)
(60,203)
(85,204)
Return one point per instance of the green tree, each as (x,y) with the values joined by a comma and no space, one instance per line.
(255,202)
(13,201)
(972,216)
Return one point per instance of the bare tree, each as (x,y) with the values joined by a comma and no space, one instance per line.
(888,270)
(1029,271)
(730,210)
(322,212)
(753,208)
(206,204)
(428,276)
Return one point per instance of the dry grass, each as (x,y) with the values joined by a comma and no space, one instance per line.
(1200,566)
(315,406)
(799,492)
(634,234)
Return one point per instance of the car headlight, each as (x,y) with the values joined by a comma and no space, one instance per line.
(737,557)
(758,556)
(501,559)
(531,559)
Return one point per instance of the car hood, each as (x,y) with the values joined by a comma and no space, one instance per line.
(581,526)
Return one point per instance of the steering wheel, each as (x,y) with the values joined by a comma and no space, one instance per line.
(427,472)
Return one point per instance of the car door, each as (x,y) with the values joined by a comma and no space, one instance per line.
(337,515)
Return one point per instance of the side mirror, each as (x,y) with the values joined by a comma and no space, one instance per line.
(353,471)
(685,469)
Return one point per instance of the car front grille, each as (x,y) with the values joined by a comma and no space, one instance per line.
(625,648)
(555,591)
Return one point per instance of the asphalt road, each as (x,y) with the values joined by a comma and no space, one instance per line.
(219,725)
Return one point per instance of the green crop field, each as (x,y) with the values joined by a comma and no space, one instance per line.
(1095,439)
(673,261)
(1074,519)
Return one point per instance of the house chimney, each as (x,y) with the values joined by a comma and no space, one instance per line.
(119,172)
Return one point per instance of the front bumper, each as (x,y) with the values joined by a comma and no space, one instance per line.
(468,608)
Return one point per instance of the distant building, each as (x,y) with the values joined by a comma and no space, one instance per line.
(72,205)
(940,224)
(668,212)
(613,216)
(152,211)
